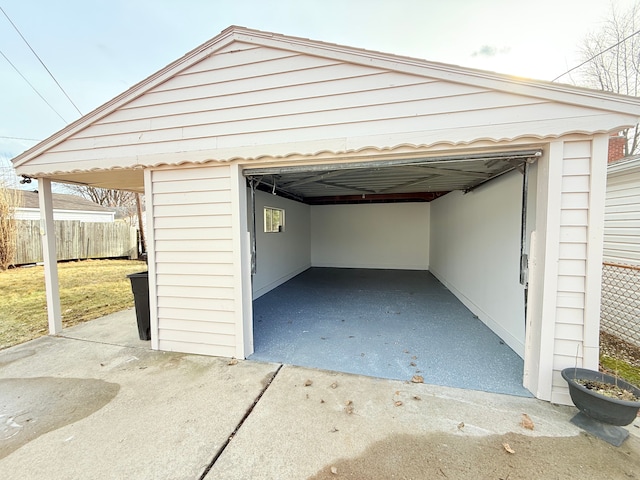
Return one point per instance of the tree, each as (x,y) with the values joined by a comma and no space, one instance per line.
(612,56)
(123,201)
(9,200)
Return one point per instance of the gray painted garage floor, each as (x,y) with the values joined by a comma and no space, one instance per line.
(382,323)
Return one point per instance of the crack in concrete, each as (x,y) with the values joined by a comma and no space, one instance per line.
(242,420)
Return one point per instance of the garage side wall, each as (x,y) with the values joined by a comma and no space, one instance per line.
(564,303)
(392,235)
(582,202)
(475,252)
(283,255)
(195,268)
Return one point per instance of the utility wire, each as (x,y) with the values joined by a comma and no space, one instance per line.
(34,88)
(20,138)
(597,55)
(41,62)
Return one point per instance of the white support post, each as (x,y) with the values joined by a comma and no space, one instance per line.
(242,262)
(595,245)
(48,233)
(543,278)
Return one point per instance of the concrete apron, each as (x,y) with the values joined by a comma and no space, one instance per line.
(71,407)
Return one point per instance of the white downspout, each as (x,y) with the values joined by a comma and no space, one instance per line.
(48,233)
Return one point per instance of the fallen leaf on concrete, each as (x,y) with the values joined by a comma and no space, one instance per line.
(507,448)
(334,385)
(334,470)
(233,361)
(349,407)
(460,425)
(417,379)
(398,403)
(527,422)
(308,383)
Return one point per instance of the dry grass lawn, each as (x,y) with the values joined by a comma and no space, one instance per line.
(88,289)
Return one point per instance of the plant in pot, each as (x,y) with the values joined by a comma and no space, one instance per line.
(604,399)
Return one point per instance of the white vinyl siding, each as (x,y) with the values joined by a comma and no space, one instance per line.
(574,321)
(622,216)
(286,102)
(195,273)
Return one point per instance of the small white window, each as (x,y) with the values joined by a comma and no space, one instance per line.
(273,220)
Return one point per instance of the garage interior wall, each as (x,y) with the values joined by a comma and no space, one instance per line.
(283,255)
(376,235)
(393,236)
(475,252)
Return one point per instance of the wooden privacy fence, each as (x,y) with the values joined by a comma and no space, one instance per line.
(77,240)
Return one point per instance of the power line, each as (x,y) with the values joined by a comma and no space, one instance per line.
(597,55)
(34,88)
(41,62)
(19,138)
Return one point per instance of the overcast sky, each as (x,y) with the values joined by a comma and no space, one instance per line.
(98,48)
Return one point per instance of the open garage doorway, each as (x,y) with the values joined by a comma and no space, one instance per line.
(367,268)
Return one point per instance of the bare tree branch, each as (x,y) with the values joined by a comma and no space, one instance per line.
(617,69)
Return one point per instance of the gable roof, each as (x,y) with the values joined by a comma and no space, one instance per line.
(29,199)
(590,111)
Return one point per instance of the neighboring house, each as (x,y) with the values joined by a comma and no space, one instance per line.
(436,150)
(621,270)
(65,207)
(622,212)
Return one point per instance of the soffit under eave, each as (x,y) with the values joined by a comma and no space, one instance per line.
(116,179)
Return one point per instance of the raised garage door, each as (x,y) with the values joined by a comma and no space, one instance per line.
(387,179)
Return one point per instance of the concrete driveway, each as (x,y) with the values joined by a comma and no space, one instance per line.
(97,403)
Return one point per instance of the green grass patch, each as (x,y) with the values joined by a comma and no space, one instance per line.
(88,289)
(622,369)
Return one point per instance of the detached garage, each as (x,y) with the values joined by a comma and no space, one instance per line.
(263,156)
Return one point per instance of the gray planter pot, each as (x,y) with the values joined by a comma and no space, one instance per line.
(599,407)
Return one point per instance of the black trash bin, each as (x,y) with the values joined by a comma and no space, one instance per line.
(140,289)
